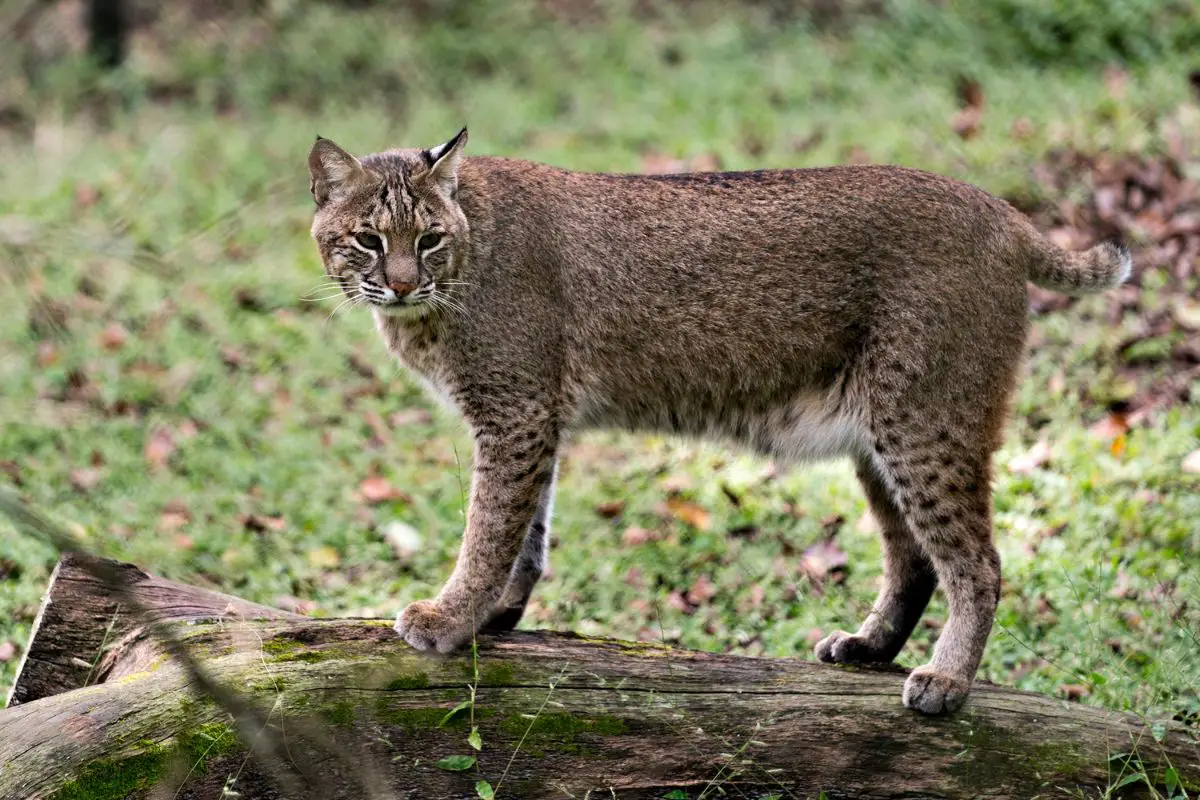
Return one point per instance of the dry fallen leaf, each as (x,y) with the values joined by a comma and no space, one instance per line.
(823,560)
(404,539)
(379,429)
(324,558)
(610,509)
(689,512)
(159,447)
(965,123)
(113,337)
(410,416)
(701,592)
(86,479)
(1026,463)
(1073,691)
(676,601)
(1111,427)
(634,536)
(260,523)
(377,489)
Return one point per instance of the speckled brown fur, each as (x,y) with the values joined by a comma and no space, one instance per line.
(869,311)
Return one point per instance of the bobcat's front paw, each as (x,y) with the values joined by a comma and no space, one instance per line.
(840,647)
(933,692)
(424,625)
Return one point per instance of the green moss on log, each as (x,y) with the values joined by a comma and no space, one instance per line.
(559,731)
(417,681)
(341,714)
(116,779)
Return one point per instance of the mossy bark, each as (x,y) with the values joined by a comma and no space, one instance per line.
(558,716)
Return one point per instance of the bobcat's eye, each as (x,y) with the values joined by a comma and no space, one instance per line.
(369,240)
(428,241)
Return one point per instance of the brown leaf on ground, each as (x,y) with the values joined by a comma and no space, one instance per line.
(85,479)
(260,523)
(159,447)
(47,353)
(379,429)
(409,416)
(610,509)
(1022,128)
(1111,427)
(232,357)
(85,196)
(675,484)
(677,601)
(377,489)
(1073,691)
(970,96)
(688,512)
(359,363)
(824,561)
(113,337)
(634,536)
(701,591)
(1031,460)
(832,524)
(245,297)
(966,122)
(1116,80)
(173,518)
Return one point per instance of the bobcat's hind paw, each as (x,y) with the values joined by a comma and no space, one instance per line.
(933,692)
(425,626)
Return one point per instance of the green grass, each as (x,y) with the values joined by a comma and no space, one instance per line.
(184,222)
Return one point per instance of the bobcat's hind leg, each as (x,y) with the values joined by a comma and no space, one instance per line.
(908,583)
(942,488)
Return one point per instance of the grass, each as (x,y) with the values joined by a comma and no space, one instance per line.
(165,389)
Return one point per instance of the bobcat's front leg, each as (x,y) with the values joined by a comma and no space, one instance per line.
(531,565)
(513,470)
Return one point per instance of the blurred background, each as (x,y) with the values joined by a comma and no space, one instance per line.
(170,389)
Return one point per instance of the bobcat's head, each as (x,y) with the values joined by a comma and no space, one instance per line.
(389,228)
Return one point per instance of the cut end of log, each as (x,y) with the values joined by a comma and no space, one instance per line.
(84,634)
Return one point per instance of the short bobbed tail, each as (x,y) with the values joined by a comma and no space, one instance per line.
(1104,266)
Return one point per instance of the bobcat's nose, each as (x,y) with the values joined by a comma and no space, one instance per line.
(401,289)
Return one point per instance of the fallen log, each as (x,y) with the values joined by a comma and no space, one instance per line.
(557,716)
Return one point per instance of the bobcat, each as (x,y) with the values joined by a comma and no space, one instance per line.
(870,311)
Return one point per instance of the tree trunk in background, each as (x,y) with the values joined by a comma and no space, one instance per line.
(108,32)
(558,715)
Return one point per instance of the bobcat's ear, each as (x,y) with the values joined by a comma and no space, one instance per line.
(332,171)
(443,162)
